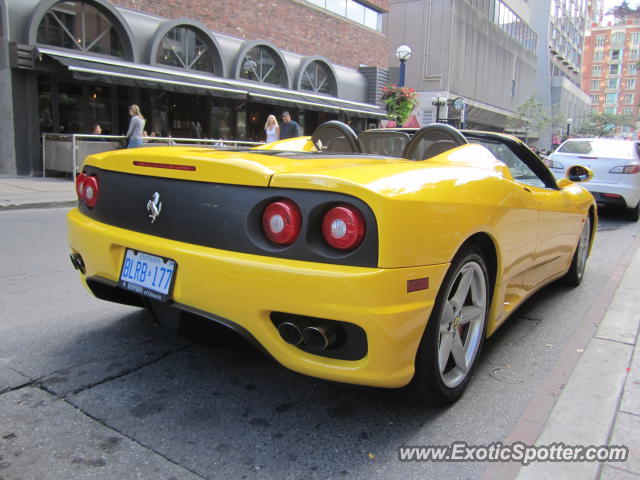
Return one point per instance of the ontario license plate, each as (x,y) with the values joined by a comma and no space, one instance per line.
(147,274)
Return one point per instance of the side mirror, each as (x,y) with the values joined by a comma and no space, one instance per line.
(578,173)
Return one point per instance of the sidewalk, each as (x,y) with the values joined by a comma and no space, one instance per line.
(592,396)
(600,403)
(35,192)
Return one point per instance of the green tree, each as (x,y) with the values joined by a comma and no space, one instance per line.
(530,118)
(623,10)
(598,124)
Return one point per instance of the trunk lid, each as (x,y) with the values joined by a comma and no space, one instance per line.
(228,167)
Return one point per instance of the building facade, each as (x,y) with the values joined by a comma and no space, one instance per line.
(195,71)
(560,25)
(611,69)
(480,50)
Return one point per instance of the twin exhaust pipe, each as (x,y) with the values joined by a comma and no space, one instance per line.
(317,338)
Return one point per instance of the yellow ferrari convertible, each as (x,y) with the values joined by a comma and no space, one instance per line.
(382,259)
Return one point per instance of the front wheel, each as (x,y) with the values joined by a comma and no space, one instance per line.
(455,333)
(579,261)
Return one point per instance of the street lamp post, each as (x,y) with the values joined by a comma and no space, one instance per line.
(403,53)
(569,122)
(438,101)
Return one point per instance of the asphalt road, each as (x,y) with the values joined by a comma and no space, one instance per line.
(90,389)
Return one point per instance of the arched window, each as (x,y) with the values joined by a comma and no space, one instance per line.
(185,47)
(80,26)
(317,77)
(260,65)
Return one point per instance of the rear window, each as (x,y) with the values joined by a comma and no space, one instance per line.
(600,148)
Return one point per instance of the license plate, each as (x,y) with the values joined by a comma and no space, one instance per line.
(147,274)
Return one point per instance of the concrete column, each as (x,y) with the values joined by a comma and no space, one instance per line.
(7,138)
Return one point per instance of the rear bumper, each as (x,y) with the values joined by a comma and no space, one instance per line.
(244,289)
(629,196)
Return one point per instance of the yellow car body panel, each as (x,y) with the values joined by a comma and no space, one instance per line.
(246,288)
(425,211)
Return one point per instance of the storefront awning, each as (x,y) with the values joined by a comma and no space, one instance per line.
(99,69)
(130,74)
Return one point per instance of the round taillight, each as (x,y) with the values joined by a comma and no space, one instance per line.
(281,222)
(90,191)
(343,227)
(80,184)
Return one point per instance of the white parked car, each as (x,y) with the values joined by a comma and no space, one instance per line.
(615,165)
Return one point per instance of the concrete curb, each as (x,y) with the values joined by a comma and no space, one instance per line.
(24,206)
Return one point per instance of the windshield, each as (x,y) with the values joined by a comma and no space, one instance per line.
(600,148)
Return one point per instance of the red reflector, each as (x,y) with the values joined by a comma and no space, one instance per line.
(611,195)
(170,166)
(90,191)
(281,222)
(80,184)
(417,284)
(343,227)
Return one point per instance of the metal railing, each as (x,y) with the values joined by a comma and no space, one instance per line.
(61,152)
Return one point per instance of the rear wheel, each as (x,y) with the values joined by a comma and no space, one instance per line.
(579,262)
(455,332)
(633,213)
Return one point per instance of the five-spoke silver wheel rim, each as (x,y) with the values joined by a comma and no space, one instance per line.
(583,248)
(462,324)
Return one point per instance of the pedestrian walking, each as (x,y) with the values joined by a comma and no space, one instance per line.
(136,127)
(272,129)
(289,128)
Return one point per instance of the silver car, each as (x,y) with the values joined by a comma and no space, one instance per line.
(615,165)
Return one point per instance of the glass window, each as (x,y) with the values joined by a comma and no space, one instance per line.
(99,108)
(371,18)
(599,40)
(610,110)
(70,107)
(632,68)
(635,38)
(595,84)
(595,99)
(630,84)
(317,78)
(611,98)
(615,54)
(614,69)
(617,39)
(600,148)
(355,11)
(45,104)
(634,54)
(520,171)
(598,55)
(186,48)
(337,6)
(627,110)
(627,98)
(596,70)
(260,65)
(79,26)
(613,83)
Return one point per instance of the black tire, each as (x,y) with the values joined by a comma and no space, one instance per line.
(429,384)
(632,214)
(576,271)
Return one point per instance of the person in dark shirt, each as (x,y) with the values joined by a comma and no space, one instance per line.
(289,128)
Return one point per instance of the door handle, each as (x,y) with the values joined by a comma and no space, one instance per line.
(526,189)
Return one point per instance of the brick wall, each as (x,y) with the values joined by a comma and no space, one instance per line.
(623,74)
(292,25)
